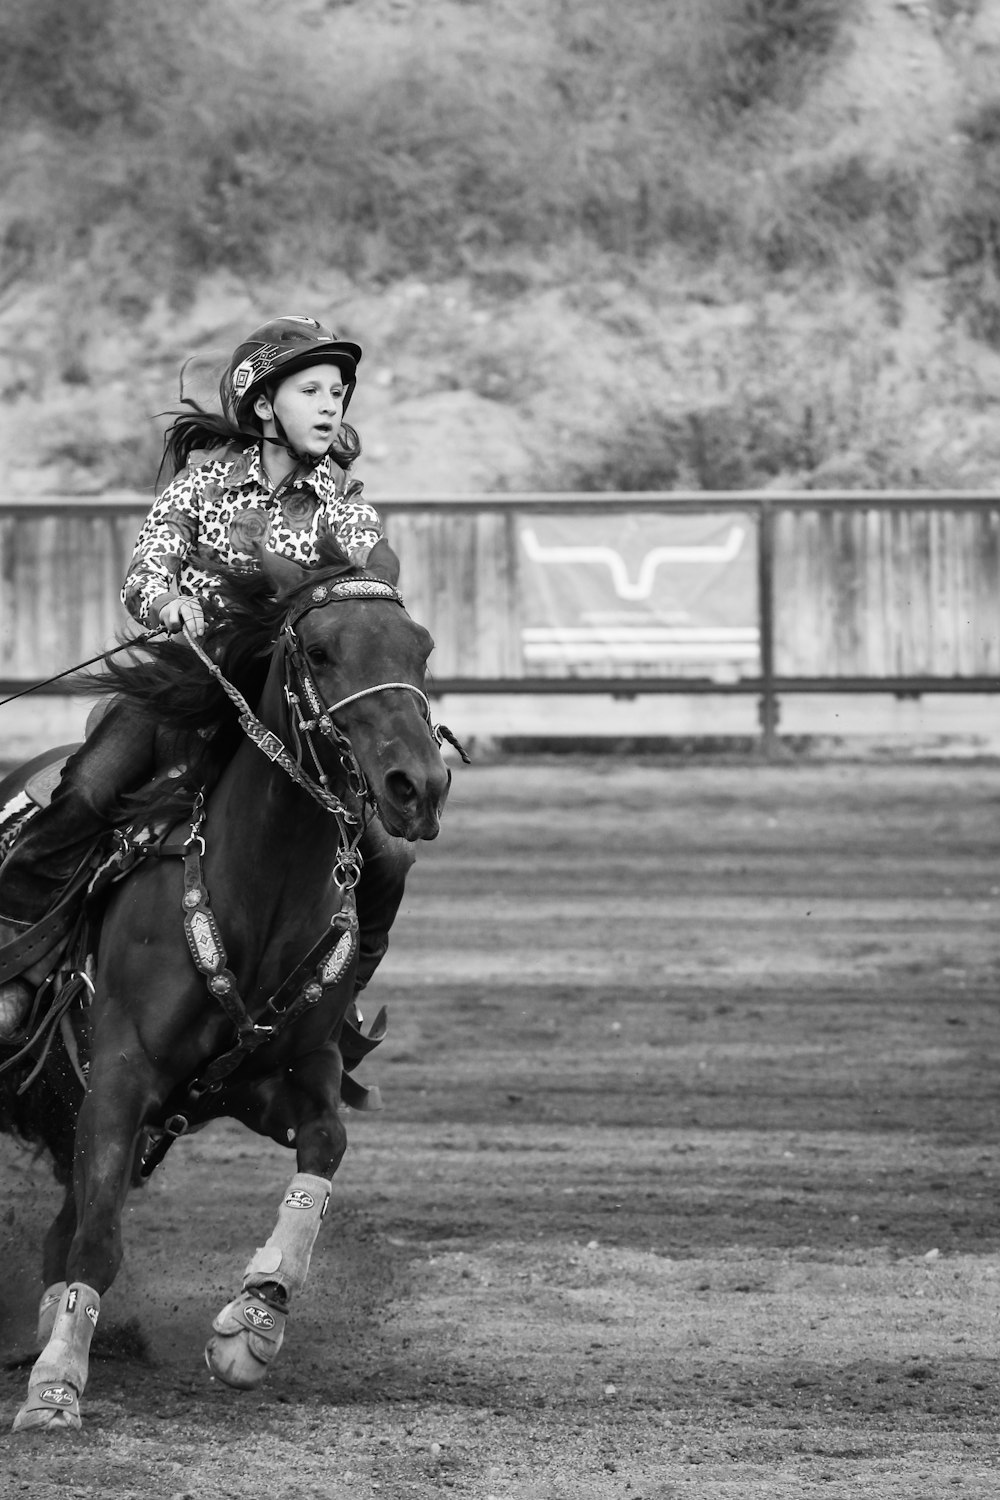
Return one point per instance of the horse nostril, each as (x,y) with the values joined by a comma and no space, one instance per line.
(401,789)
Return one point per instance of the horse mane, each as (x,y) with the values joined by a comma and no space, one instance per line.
(197,722)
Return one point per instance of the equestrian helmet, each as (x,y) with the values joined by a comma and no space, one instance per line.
(277,349)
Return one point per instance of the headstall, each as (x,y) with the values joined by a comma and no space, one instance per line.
(328,959)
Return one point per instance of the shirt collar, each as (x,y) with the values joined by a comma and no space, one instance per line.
(248,470)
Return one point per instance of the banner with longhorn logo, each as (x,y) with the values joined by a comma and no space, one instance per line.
(639,595)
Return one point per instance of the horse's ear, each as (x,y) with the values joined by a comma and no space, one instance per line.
(281,572)
(383,562)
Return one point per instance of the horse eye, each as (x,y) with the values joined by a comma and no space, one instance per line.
(317,656)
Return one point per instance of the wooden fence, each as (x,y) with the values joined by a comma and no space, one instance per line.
(855,592)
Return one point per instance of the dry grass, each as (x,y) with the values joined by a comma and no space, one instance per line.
(192,136)
(796,402)
(526,140)
(972,225)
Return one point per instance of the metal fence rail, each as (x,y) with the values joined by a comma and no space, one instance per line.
(932,623)
(875,592)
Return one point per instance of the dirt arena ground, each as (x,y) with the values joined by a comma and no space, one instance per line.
(686,1185)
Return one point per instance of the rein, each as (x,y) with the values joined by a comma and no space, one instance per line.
(129,645)
(272,744)
(328,959)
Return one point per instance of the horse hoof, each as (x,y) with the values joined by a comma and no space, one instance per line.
(248,1334)
(54,1407)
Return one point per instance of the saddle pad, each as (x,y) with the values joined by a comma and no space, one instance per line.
(41,786)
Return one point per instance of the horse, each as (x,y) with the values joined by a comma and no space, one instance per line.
(221,971)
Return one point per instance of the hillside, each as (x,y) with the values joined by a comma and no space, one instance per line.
(581,245)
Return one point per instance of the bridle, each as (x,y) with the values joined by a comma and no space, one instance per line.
(328,960)
(319,716)
(311,716)
(329,957)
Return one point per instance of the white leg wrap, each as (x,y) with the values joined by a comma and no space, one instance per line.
(60,1372)
(66,1356)
(285,1257)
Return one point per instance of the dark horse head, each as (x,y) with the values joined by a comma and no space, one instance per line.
(356,664)
(329,646)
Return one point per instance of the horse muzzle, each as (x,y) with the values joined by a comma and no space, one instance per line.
(410,807)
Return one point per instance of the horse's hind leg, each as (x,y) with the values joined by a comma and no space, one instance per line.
(248,1332)
(54,1252)
(60,1371)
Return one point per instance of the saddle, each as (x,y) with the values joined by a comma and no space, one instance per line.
(109,857)
(36,793)
(42,784)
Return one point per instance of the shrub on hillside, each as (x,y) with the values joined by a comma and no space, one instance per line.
(84,65)
(732,445)
(823,411)
(750,52)
(953,10)
(198,135)
(124,106)
(192,136)
(844,212)
(972,228)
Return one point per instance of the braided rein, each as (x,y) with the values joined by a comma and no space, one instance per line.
(270,743)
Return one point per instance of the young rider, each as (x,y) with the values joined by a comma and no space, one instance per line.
(277,472)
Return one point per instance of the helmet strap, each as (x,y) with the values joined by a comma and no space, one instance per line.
(280,439)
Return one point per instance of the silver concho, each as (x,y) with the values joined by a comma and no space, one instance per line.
(337,961)
(203,939)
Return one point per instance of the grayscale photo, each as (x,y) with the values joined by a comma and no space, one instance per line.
(499,749)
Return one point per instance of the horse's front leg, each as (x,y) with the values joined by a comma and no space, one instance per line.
(55,1250)
(301,1107)
(105,1144)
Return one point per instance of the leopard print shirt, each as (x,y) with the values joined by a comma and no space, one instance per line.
(219,508)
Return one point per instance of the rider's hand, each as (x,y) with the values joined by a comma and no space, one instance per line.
(183,613)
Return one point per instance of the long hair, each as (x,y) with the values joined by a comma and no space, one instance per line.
(197,429)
